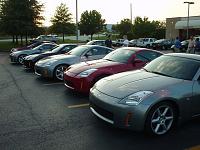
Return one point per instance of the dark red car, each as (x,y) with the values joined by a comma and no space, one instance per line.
(81,77)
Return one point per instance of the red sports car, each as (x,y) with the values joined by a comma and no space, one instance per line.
(81,77)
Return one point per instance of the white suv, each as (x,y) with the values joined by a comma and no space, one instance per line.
(145,42)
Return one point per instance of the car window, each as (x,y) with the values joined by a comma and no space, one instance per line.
(120,55)
(98,51)
(147,55)
(176,67)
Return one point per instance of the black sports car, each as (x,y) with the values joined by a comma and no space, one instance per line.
(29,61)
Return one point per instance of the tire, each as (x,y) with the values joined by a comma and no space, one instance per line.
(21,59)
(59,71)
(161,119)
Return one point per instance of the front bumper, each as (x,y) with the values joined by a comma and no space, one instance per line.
(13,58)
(75,83)
(108,109)
(43,71)
(28,64)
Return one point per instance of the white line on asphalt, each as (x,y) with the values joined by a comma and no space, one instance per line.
(49,84)
(79,105)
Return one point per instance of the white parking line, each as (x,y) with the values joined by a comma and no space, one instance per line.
(49,84)
(79,105)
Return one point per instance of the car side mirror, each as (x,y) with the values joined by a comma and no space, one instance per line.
(137,61)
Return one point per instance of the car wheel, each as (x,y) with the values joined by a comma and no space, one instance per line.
(59,71)
(161,119)
(21,59)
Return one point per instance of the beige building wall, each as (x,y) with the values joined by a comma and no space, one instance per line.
(171,32)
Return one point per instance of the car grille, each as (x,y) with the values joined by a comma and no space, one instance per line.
(102,111)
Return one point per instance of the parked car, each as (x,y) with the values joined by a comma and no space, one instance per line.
(184,46)
(52,38)
(54,66)
(31,46)
(30,60)
(162,44)
(81,77)
(18,56)
(153,99)
(132,43)
(145,42)
(118,42)
(97,42)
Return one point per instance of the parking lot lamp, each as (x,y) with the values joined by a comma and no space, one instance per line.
(188,17)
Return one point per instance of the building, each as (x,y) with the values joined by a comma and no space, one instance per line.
(178,27)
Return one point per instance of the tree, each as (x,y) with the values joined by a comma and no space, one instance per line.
(21,17)
(62,21)
(145,28)
(124,28)
(91,22)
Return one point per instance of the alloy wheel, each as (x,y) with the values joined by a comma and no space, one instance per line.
(162,120)
(60,71)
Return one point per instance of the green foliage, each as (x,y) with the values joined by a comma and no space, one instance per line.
(91,22)
(20,17)
(142,27)
(62,21)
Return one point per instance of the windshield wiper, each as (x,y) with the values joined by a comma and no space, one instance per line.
(160,73)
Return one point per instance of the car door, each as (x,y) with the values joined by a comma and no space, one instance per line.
(196,94)
(96,53)
(145,56)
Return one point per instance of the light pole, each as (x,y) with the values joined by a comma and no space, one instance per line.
(188,17)
(131,12)
(77,21)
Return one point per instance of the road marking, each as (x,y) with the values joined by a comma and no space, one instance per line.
(194,148)
(79,105)
(49,84)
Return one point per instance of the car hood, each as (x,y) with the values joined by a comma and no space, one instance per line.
(97,64)
(27,51)
(122,85)
(63,58)
(30,57)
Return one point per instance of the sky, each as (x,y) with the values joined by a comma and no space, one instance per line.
(113,11)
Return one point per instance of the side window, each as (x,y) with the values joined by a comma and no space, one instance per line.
(151,40)
(147,55)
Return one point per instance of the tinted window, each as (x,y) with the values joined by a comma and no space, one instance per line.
(176,67)
(78,51)
(147,55)
(98,51)
(120,55)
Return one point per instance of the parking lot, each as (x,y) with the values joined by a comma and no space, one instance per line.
(37,113)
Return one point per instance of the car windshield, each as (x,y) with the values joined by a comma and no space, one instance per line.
(120,55)
(78,51)
(57,48)
(174,66)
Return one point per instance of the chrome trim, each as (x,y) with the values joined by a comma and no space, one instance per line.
(37,74)
(101,117)
(69,86)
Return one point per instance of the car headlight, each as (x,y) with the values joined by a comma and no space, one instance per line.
(86,72)
(136,98)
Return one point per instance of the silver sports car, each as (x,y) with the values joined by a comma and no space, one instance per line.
(165,92)
(54,66)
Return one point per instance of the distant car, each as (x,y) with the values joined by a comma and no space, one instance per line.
(18,56)
(155,99)
(132,43)
(97,42)
(54,66)
(51,38)
(30,60)
(162,44)
(31,46)
(184,46)
(145,42)
(81,77)
(118,42)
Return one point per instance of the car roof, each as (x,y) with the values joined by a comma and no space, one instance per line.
(137,49)
(185,55)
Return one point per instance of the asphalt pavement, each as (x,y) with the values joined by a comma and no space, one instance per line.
(37,113)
